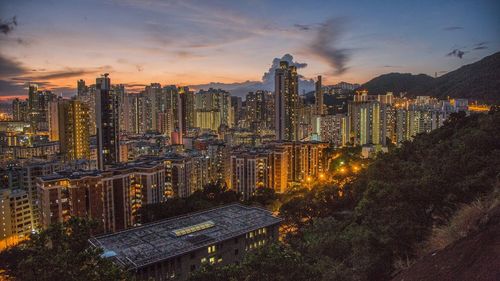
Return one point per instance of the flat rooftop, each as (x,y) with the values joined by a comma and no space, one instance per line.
(154,242)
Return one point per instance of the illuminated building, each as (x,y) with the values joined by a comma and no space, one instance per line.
(216,101)
(74,136)
(367,121)
(87,95)
(208,119)
(187,115)
(16,217)
(319,97)
(259,107)
(286,102)
(125,108)
(334,129)
(112,197)
(175,247)
(237,107)
(219,165)
(20,110)
(53,113)
(107,123)
(249,171)
(305,159)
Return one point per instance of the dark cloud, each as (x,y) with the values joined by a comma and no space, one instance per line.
(9,67)
(480,46)
(6,26)
(456,53)
(303,27)
(69,72)
(10,88)
(453,28)
(64,74)
(325,45)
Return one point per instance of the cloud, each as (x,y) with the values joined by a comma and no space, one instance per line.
(8,88)
(302,27)
(480,46)
(268,76)
(68,73)
(9,67)
(325,46)
(267,82)
(6,26)
(456,53)
(453,28)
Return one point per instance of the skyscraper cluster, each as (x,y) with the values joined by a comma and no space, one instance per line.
(106,152)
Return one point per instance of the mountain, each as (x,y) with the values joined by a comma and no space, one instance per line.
(476,81)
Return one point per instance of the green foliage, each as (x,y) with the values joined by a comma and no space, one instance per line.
(210,196)
(61,252)
(389,210)
(222,273)
(276,262)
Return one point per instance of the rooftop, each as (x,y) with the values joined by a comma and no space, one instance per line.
(164,239)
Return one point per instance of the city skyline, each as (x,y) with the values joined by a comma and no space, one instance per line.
(187,43)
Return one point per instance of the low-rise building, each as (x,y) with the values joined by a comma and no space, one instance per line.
(171,249)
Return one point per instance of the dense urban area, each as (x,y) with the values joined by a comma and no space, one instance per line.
(288,178)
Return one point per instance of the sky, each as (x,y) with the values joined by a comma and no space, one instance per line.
(233,44)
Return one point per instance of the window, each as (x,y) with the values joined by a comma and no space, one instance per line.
(203,260)
(212,260)
(211,249)
(236,252)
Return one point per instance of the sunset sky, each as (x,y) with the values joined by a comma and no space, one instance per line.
(55,43)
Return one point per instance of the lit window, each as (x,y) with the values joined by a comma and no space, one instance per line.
(211,249)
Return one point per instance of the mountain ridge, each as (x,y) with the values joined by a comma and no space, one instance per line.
(476,81)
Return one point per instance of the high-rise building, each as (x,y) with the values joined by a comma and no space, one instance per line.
(155,105)
(259,110)
(249,171)
(38,103)
(107,123)
(16,216)
(286,102)
(218,102)
(74,136)
(81,88)
(319,97)
(87,95)
(334,129)
(125,108)
(368,122)
(20,110)
(53,119)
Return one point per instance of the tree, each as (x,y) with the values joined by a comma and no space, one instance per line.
(60,252)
